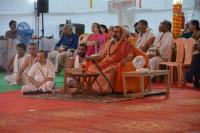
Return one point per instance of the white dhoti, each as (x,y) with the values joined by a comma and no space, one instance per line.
(58,58)
(17,65)
(71,82)
(154,63)
(40,73)
(46,87)
(12,79)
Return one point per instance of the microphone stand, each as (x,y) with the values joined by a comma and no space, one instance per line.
(42,25)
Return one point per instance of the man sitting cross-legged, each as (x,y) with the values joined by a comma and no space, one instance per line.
(21,76)
(41,76)
(16,63)
(76,62)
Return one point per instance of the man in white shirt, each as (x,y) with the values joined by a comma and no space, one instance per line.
(81,54)
(16,63)
(21,76)
(41,75)
(76,62)
(162,46)
(145,37)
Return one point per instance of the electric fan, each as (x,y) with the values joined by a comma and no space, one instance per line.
(24,32)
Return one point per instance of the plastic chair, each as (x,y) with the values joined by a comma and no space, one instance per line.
(180,46)
(189,50)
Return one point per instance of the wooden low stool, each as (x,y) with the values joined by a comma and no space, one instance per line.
(84,80)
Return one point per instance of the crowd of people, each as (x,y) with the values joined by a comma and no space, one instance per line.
(113,48)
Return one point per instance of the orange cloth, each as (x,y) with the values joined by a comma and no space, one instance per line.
(112,55)
(107,37)
(132,40)
(88,64)
(133,84)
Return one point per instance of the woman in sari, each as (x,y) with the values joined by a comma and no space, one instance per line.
(193,71)
(195,28)
(95,40)
(104,31)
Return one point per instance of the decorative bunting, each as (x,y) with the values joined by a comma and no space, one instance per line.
(177,19)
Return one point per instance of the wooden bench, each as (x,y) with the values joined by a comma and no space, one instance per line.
(142,75)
